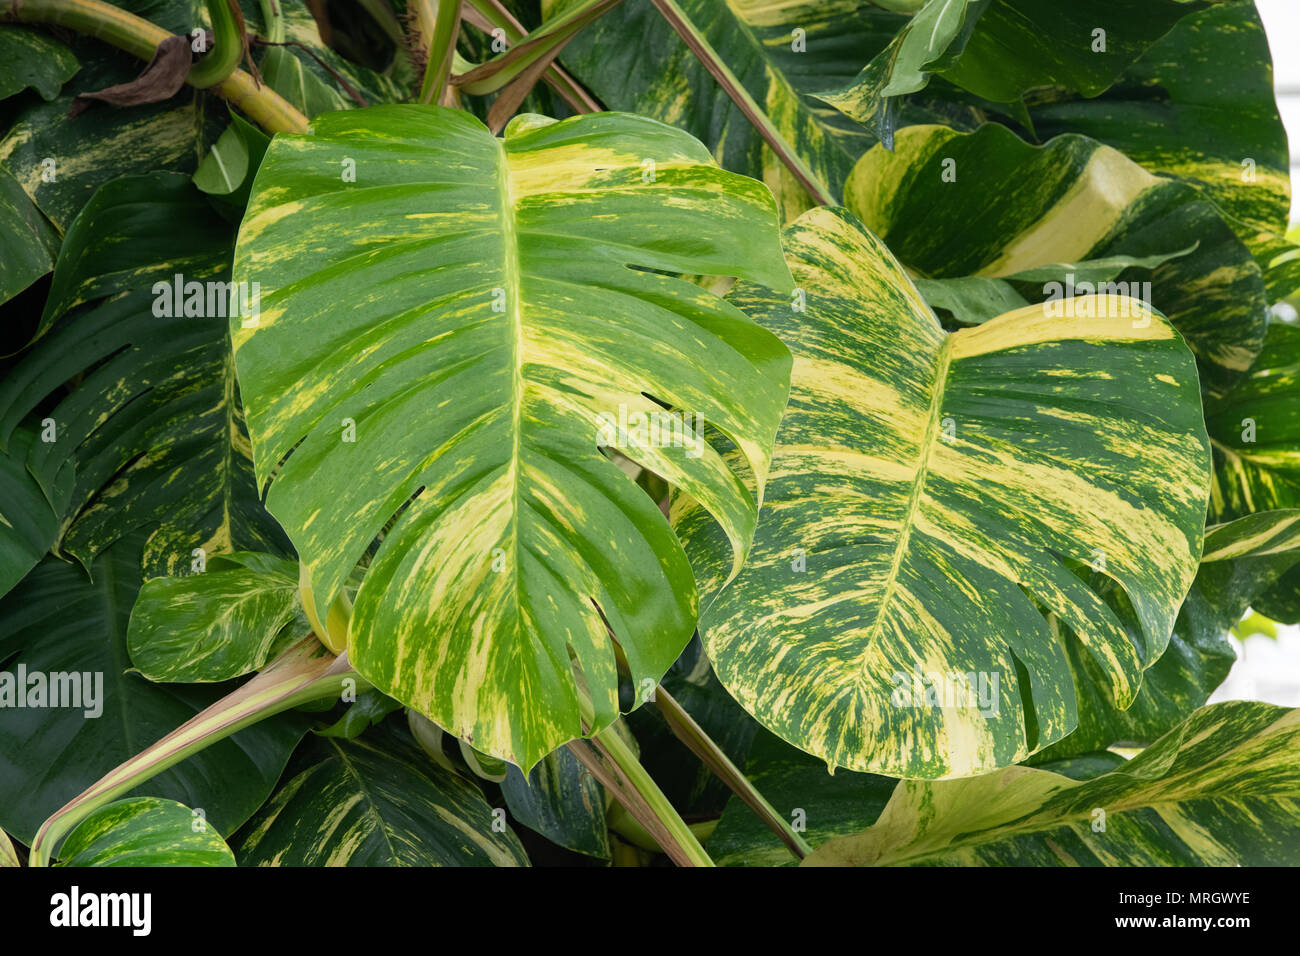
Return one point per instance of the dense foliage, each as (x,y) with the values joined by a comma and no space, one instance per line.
(494,432)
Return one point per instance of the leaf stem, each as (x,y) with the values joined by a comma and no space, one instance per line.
(728,80)
(488,15)
(690,733)
(500,70)
(439,23)
(301,674)
(612,762)
(140,38)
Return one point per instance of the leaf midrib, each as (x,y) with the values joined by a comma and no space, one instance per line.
(918,490)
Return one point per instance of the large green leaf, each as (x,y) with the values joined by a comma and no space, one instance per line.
(969,479)
(145,831)
(153,430)
(1219,790)
(59,622)
(1074,200)
(1200,105)
(224,623)
(32,59)
(1255,431)
(376,801)
(28,524)
(505,304)
(633,60)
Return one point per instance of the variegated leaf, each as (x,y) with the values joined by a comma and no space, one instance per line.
(29,58)
(1200,105)
(562,801)
(1258,535)
(60,162)
(376,801)
(28,241)
(8,856)
(153,429)
(1255,431)
(1074,200)
(933,495)
(66,632)
(782,52)
(799,788)
(224,623)
(1219,790)
(145,831)
(1242,560)
(464,325)
(935,35)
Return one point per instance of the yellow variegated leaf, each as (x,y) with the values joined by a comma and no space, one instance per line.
(451,327)
(1073,200)
(933,496)
(1221,789)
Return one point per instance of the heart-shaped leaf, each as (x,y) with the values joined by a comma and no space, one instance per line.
(451,325)
(933,495)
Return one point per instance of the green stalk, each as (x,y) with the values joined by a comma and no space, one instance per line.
(728,80)
(616,749)
(227,46)
(140,38)
(301,674)
(500,70)
(690,733)
(612,762)
(439,21)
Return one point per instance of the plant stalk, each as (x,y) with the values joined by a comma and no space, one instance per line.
(439,25)
(500,70)
(488,15)
(613,763)
(728,80)
(690,733)
(140,38)
(301,674)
